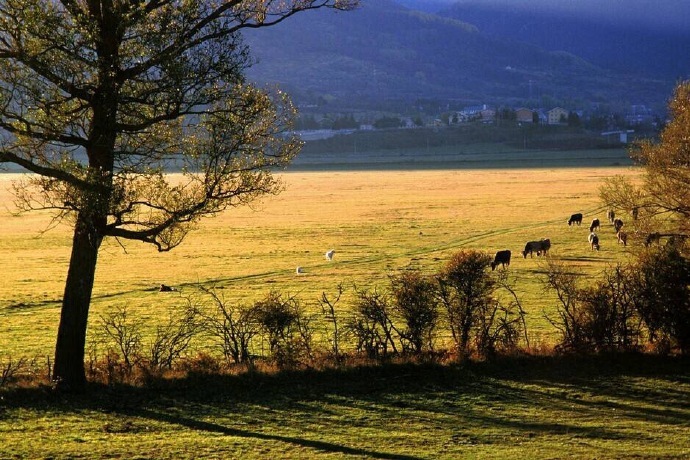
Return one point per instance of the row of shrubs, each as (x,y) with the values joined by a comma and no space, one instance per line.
(463,311)
(643,303)
(415,316)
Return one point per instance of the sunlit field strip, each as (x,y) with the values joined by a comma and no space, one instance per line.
(379,222)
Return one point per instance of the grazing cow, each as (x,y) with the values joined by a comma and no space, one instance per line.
(330,254)
(676,240)
(611,215)
(593,240)
(539,247)
(652,238)
(530,247)
(502,257)
(622,237)
(595,225)
(617,224)
(545,245)
(575,219)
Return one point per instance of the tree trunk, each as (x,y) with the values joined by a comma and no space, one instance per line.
(68,372)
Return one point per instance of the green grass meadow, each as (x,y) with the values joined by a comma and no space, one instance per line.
(378,222)
(603,408)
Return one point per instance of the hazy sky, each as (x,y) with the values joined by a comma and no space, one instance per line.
(673,14)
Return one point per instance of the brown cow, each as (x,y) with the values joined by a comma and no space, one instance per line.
(622,237)
(611,215)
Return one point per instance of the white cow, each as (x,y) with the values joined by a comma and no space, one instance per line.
(329,254)
(593,240)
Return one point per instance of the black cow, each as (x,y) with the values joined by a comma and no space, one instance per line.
(652,238)
(501,257)
(575,219)
(617,224)
(595,225)
(539,247)
(545,245)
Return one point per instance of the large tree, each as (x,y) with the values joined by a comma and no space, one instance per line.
(100,98)
(658,206)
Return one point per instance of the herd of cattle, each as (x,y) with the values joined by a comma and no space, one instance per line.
(541,247)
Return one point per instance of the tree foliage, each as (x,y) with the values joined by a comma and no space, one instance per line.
(465,291)
(415,301)
(100,99)
(661,288)
(660,209)
(660,203)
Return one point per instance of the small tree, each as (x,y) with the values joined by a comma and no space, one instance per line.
(465,288)
(288,329)
(659,206)
(416,302)
(661,286)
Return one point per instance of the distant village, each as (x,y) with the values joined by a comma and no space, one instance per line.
(314,127)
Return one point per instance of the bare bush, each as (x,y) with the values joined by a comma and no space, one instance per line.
(123,337)
(287,329)
(234,326)
(571,320)
(372,325)
(328,308)
(609,311)
(517,313)
(10,369)
(599,317)
(173,338)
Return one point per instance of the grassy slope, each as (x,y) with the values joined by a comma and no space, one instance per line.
(378,222)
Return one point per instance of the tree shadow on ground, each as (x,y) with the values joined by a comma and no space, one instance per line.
(472,400)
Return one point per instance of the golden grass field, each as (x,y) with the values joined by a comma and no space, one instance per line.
(378,222)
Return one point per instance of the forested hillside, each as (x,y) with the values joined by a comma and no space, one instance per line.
(385,52)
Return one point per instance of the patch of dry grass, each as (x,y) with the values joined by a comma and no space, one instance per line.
(377,221)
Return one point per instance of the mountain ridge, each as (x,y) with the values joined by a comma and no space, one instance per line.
(385,54)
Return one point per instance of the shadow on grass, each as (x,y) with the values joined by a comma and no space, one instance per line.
(525,397)
(302,442)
